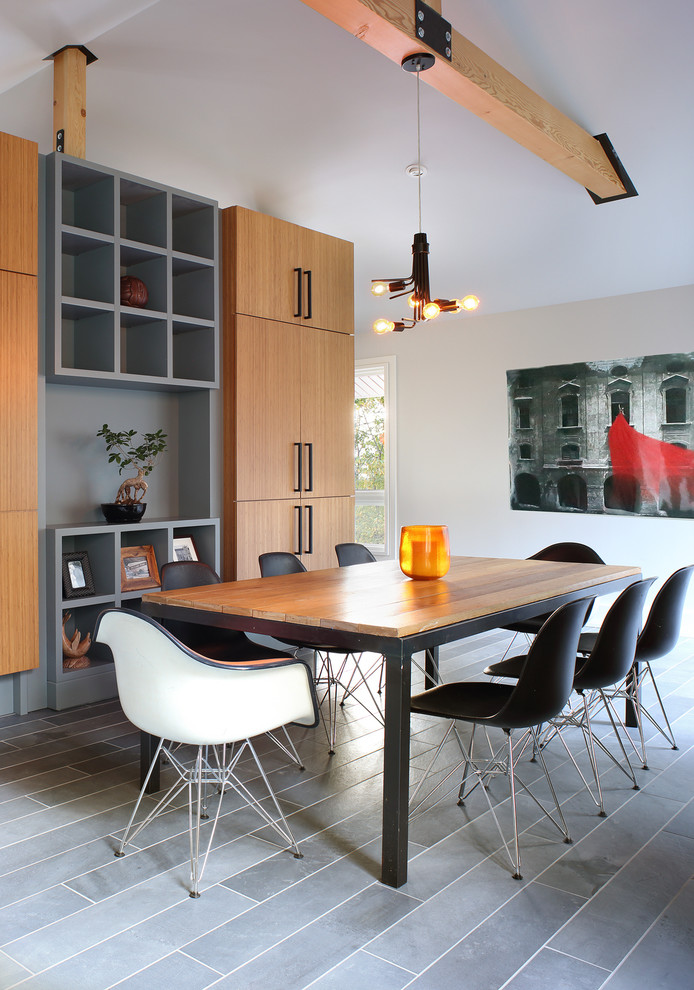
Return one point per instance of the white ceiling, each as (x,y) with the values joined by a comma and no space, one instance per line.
(267,104)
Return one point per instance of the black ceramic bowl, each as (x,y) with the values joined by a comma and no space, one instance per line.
(114,512)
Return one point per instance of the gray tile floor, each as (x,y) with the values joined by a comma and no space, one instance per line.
(612,910)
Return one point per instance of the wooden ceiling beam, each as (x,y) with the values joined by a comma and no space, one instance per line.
(478,83)
(70,98)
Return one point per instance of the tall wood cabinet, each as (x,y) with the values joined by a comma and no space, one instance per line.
(288,385)
(18,404)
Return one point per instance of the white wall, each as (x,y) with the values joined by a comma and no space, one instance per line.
(452,419)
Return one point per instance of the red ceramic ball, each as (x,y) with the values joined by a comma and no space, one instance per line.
(133,291)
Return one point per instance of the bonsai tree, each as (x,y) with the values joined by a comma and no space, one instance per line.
(122,449)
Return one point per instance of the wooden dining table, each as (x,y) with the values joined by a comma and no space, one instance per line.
(374,607)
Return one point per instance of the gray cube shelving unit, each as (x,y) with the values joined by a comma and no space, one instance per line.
(102,544)
(102,224)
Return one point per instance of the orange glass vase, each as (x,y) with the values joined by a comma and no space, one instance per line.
(425,552)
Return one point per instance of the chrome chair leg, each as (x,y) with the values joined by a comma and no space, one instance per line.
(669,734)
(211,766)
(287,747)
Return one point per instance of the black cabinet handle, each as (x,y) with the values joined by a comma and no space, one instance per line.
(300,529)
(299,282)
(309,486)
(309,293)
(309,512)
(297,448)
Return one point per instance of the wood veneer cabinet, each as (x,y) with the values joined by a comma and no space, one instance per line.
(281,271)
(19,163)
(288,388)
(292,417)
(311,525)
(18,404)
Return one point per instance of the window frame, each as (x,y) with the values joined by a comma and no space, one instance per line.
(388,497)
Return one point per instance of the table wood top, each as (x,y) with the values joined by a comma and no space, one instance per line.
(377,599)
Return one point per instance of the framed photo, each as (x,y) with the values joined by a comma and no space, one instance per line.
(138,568)
(184,548)
(77,575)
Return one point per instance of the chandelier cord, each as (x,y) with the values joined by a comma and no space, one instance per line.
(419,154)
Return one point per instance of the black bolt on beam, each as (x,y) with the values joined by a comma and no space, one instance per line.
(431,28)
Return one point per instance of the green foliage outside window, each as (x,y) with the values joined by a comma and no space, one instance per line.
(370,525)
(369,444)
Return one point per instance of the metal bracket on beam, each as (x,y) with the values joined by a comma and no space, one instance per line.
(90,56)
(619,169)
(60,140)
(431,28)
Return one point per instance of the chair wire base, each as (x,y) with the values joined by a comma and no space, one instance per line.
(212,767)
(630,691)
(502,760)
(330,675)
(579,717)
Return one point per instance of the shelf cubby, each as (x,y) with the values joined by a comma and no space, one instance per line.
(142,345)
(143,212)
(89,274)
(193,290)
(87,197)
(194,226)
(87,337)
(194,353)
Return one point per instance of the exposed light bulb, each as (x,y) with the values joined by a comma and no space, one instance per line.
(379,288)
(469,303)
(411,301)
(383,326)
(431,311)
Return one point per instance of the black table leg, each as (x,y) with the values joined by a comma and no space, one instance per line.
(148,747)
(396,772)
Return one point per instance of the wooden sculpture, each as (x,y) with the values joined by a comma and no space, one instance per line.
(126,493)
(75,649)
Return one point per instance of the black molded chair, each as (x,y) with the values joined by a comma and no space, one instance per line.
(606,666)
(349,554)
(541,692)
(218,644)
(333,661)
(223,645)
(353,553)
(568,553)
(279,562)
(658,638)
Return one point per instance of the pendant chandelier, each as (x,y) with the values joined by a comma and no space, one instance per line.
(417,285)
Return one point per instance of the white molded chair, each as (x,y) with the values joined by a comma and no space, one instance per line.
(181,697)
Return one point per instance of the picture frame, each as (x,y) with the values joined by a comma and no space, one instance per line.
(138,568)
(184,548)
(77,575)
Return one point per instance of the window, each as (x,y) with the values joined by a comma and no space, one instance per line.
(572,492)
(569,410)
(527,491)
(525,452)
(622,493)
(619,402)
(374,455)
(570,452)
(675,405)
(523,414)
